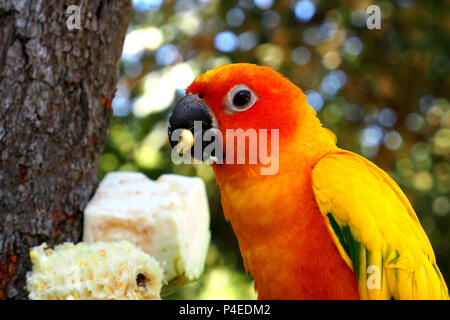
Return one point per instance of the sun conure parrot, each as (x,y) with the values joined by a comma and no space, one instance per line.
(329,224)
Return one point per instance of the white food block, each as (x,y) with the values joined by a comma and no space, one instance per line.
(167,218)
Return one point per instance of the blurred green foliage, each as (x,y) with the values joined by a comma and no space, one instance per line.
(383,92)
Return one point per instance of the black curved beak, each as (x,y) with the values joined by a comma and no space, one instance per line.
(189,113)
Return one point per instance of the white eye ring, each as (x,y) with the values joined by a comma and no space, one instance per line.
(230,101)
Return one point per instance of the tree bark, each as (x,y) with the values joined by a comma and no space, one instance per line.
(56,87)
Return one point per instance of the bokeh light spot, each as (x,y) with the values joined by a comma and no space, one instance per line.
(226,41)
(332,113)
(314,99)
(304,10)
(270,19)
(393,140)
(387,117)
(414,122)
(167,54)
(371,136)
(147,5)
(441,206)
(441,142)
(270,55)
(340,76)
(423,181)
(247,40)
(420,154)
(235,17)
(311,36)
(109,162)
(426,103)
(263,4)
(353,46)
(328,30)
(331,60)
(138,40)
(330,85)
(301,55)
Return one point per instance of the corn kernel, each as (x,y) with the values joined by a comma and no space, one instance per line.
(185,142)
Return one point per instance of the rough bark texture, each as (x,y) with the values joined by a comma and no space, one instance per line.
(56,87)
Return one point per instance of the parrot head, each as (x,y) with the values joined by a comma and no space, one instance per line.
(249,99)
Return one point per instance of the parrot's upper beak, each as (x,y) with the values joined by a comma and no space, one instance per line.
(189,113)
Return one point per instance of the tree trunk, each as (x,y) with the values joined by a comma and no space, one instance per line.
(56,87)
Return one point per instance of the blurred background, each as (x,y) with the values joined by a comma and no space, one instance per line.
(383,92)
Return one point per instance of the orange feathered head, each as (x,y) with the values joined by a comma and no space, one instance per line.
(249,96)
(245,96)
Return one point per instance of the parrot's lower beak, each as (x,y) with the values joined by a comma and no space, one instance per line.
(192,114)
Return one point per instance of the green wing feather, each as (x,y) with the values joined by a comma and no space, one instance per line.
(376,230)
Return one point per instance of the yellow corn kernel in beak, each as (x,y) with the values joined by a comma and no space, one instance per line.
(186,141)
(33,255)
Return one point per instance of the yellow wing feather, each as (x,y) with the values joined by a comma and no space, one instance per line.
(376,230)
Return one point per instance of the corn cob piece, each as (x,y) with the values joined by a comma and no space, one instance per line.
(167,218)
(100,271)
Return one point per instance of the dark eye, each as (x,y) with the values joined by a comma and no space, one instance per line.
(240,98)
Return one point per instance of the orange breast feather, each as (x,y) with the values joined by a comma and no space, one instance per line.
(284,240)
